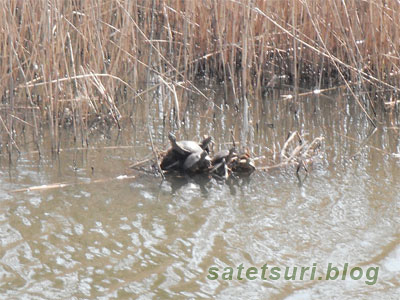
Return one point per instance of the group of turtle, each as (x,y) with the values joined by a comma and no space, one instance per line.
(192,157)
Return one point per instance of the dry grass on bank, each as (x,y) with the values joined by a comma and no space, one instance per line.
(71,60)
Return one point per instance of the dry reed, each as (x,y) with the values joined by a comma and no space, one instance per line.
(74,60)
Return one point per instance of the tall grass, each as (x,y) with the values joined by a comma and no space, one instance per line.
(74,60)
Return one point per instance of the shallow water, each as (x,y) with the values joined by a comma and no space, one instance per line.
(142,237)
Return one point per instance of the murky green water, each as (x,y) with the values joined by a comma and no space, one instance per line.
(141,237)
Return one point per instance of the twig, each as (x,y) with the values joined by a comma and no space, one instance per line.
(137,164)
(286,144)
(315,143)
(155,154)
(176,102)
(62,185)
(10,135)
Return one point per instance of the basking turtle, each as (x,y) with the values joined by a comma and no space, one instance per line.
(243,164)
(179,152)
(171,161)
(221,162)
(226,155)
(221,169)
(205,143)
(197,161)
(185,148)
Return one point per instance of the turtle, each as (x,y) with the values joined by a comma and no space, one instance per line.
(243,164)
(197,161)
(205,143)
(221,170)
(226,155)
(221,162)
(185,148)
(175,157)
(171,161)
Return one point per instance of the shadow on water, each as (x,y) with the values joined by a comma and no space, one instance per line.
(108,236)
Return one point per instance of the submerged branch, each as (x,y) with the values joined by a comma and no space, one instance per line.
(46,187)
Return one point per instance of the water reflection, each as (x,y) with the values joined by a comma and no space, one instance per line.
(156,238)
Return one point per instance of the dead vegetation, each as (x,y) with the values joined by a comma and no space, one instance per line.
(69,62)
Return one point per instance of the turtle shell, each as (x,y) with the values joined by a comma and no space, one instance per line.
(243,164)
(223,154)
(197,161)
(186,148)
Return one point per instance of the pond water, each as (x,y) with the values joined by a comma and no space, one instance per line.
(115,233)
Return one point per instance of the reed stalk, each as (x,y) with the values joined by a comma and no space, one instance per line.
(96,54)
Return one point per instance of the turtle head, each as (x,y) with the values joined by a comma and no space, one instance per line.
(207,140)
(172,137)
